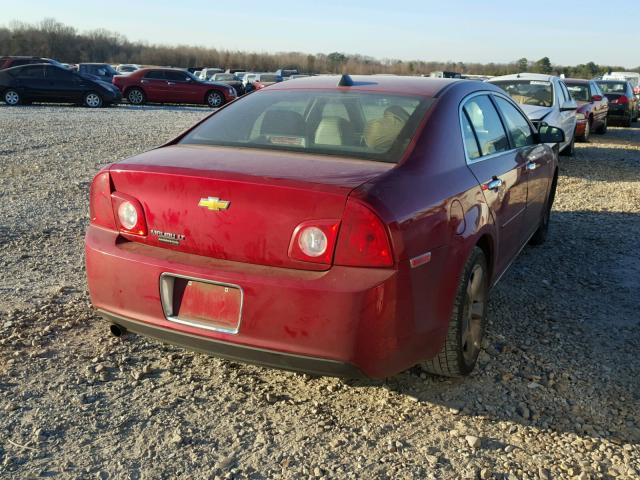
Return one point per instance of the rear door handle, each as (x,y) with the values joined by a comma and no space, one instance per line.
(170,83)
(532,165)
(494,184)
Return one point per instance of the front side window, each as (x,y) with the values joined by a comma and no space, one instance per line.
(517,124)
(528,92)
(487,125)
(155,75)
(176,76)
(58,74)
(357,124)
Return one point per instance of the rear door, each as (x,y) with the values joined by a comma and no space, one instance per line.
(32,82)
(154,85)
(500,170)
(536,158)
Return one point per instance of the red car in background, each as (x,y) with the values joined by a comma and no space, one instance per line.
(593,107)
(172,85)
(334,225)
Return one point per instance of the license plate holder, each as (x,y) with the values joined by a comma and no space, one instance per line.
(200,303)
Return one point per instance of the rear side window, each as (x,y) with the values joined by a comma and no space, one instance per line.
(35,72)
(155,75)
(487,125)
(358,124)
(470,142)
(518,126)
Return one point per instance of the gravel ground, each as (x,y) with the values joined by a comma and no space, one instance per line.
(556,393)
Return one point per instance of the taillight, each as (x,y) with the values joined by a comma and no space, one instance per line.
(363,239)
(100,210)
(314,241)
(129,214)
(622,99)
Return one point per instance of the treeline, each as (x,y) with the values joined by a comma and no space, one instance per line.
(53,39)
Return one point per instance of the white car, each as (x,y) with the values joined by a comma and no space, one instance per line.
(544,98)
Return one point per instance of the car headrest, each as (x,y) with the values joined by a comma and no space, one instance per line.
(282,122)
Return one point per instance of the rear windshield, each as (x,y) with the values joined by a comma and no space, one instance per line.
(356,124)
(268,78)
(528,92)
(613,87)
(579,91)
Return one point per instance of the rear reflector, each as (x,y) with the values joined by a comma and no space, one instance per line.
(100,210)
(621,100)
(363,239)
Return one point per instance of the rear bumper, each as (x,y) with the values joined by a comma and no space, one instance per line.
(343,321)
(230,351)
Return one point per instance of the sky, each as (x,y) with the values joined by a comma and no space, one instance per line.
(568,32)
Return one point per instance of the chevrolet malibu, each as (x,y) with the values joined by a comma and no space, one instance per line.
(348,226)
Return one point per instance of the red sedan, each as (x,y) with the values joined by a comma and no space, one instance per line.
(334,225)
(171,85)
(593,107)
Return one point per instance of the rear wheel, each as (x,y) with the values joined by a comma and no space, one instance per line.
(540,236)
(214,99)
(462,345)
(135,96)
(92,100)
(12,97)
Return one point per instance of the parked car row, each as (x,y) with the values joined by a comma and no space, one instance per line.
(579,107)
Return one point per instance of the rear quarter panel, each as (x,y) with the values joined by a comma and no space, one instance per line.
(431,203)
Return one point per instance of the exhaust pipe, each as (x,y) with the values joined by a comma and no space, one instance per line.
(116,330)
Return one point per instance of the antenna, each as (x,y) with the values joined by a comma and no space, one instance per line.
(345,81)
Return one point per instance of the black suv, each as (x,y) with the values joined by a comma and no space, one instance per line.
(16,61)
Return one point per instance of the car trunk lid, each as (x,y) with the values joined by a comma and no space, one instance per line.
(183,190)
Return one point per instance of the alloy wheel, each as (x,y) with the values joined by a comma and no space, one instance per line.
(12,97)
(93,100)
(135,97)
(473,315)
(214,99)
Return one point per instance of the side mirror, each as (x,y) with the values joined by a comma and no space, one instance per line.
(596,98)
(549,134)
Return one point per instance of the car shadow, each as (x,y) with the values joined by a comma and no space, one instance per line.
(562,340)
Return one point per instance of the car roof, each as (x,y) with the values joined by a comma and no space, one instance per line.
(577,80)
(146,69)
(424,86)
(611,80)
(524,76)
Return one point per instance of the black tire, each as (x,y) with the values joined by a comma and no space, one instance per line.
(11,97)
(458,355)
(587,132)
(92,100)
(570,149)
(135,96)
(214,99)
(602,129)
(540,236)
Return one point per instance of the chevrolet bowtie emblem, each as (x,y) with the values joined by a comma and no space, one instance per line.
(214,203)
